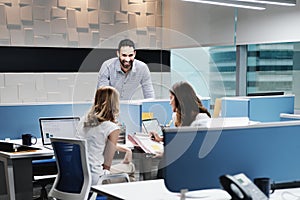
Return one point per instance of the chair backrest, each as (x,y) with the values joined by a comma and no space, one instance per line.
(74,178)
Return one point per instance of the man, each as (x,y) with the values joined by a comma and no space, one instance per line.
(125,73)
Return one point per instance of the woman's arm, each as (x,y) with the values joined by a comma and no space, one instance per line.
(110,148)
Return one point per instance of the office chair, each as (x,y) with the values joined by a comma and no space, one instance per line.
(73,180)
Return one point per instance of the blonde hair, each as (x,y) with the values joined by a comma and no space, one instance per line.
(105,108)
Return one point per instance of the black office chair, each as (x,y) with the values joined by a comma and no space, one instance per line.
(44,173)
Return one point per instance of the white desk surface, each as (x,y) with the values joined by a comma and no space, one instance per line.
(25,154)
(154,190)
(286,194)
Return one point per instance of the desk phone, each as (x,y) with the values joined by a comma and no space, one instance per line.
(240,187)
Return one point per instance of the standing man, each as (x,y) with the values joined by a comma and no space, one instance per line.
(125,73)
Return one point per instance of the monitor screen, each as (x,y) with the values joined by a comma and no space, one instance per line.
(265,94)
(58,127)
(152,125)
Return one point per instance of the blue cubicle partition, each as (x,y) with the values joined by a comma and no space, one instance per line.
(131,116)
(24,118)
(161,109)
(261,150)
(235,107)
(259,108)
(268,108)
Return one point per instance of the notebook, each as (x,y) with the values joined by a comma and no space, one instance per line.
(152,125)
(57,127)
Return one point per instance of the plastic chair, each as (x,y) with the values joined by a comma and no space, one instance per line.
(73,180)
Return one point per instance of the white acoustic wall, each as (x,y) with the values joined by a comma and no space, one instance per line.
(61,87)
(188,24)
(273,25)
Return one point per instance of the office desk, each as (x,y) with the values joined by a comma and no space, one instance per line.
(151,190)
(17,170)
(286,194)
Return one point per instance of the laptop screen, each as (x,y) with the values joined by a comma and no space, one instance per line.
(58,127)
(152,125)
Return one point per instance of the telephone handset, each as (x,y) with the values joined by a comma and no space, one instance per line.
(240,187)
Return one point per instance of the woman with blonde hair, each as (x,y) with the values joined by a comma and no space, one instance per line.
(101,131)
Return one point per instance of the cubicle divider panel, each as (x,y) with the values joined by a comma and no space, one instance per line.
(19,119)
(206,103)
(160,109)
(268,108)
(235,107)
(271,151)
(24,118)
(131,117)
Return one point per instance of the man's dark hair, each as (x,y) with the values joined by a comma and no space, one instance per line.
(126,43)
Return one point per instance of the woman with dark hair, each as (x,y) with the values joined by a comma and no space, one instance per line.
(187,107)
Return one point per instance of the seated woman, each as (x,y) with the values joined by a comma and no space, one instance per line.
(101,131)
(187,107)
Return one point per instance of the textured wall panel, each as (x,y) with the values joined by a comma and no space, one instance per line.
(39,13)
(57,12)
(93,17)
(2,15)
(13,16)
(54,22)
(26,13)
(82,20)
(41,28)
(92,4)
(62,3)
(107,17)
(110,5)
(4,33)
(71,18)
(151,7)
(25,2)
(29,36)
(121,17)
(17,37)
(59,25)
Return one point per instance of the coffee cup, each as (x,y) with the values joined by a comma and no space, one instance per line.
(28,139)
(264,184)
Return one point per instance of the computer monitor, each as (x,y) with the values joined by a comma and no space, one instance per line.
(265,93)
(57,127)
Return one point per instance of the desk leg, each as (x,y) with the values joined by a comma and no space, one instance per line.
(9,170)
(18,176)
(145,167)
(9,177)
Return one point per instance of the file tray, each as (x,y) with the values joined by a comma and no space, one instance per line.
(12,147)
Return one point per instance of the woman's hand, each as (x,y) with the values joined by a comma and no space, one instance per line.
(154,136)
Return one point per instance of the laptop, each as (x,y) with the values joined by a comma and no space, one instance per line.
(152,125)
(57,127)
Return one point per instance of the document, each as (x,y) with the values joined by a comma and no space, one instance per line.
(143,141)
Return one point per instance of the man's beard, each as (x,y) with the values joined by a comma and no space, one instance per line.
(126,66)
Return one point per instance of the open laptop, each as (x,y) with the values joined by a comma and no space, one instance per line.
(57,127)
(152,125)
